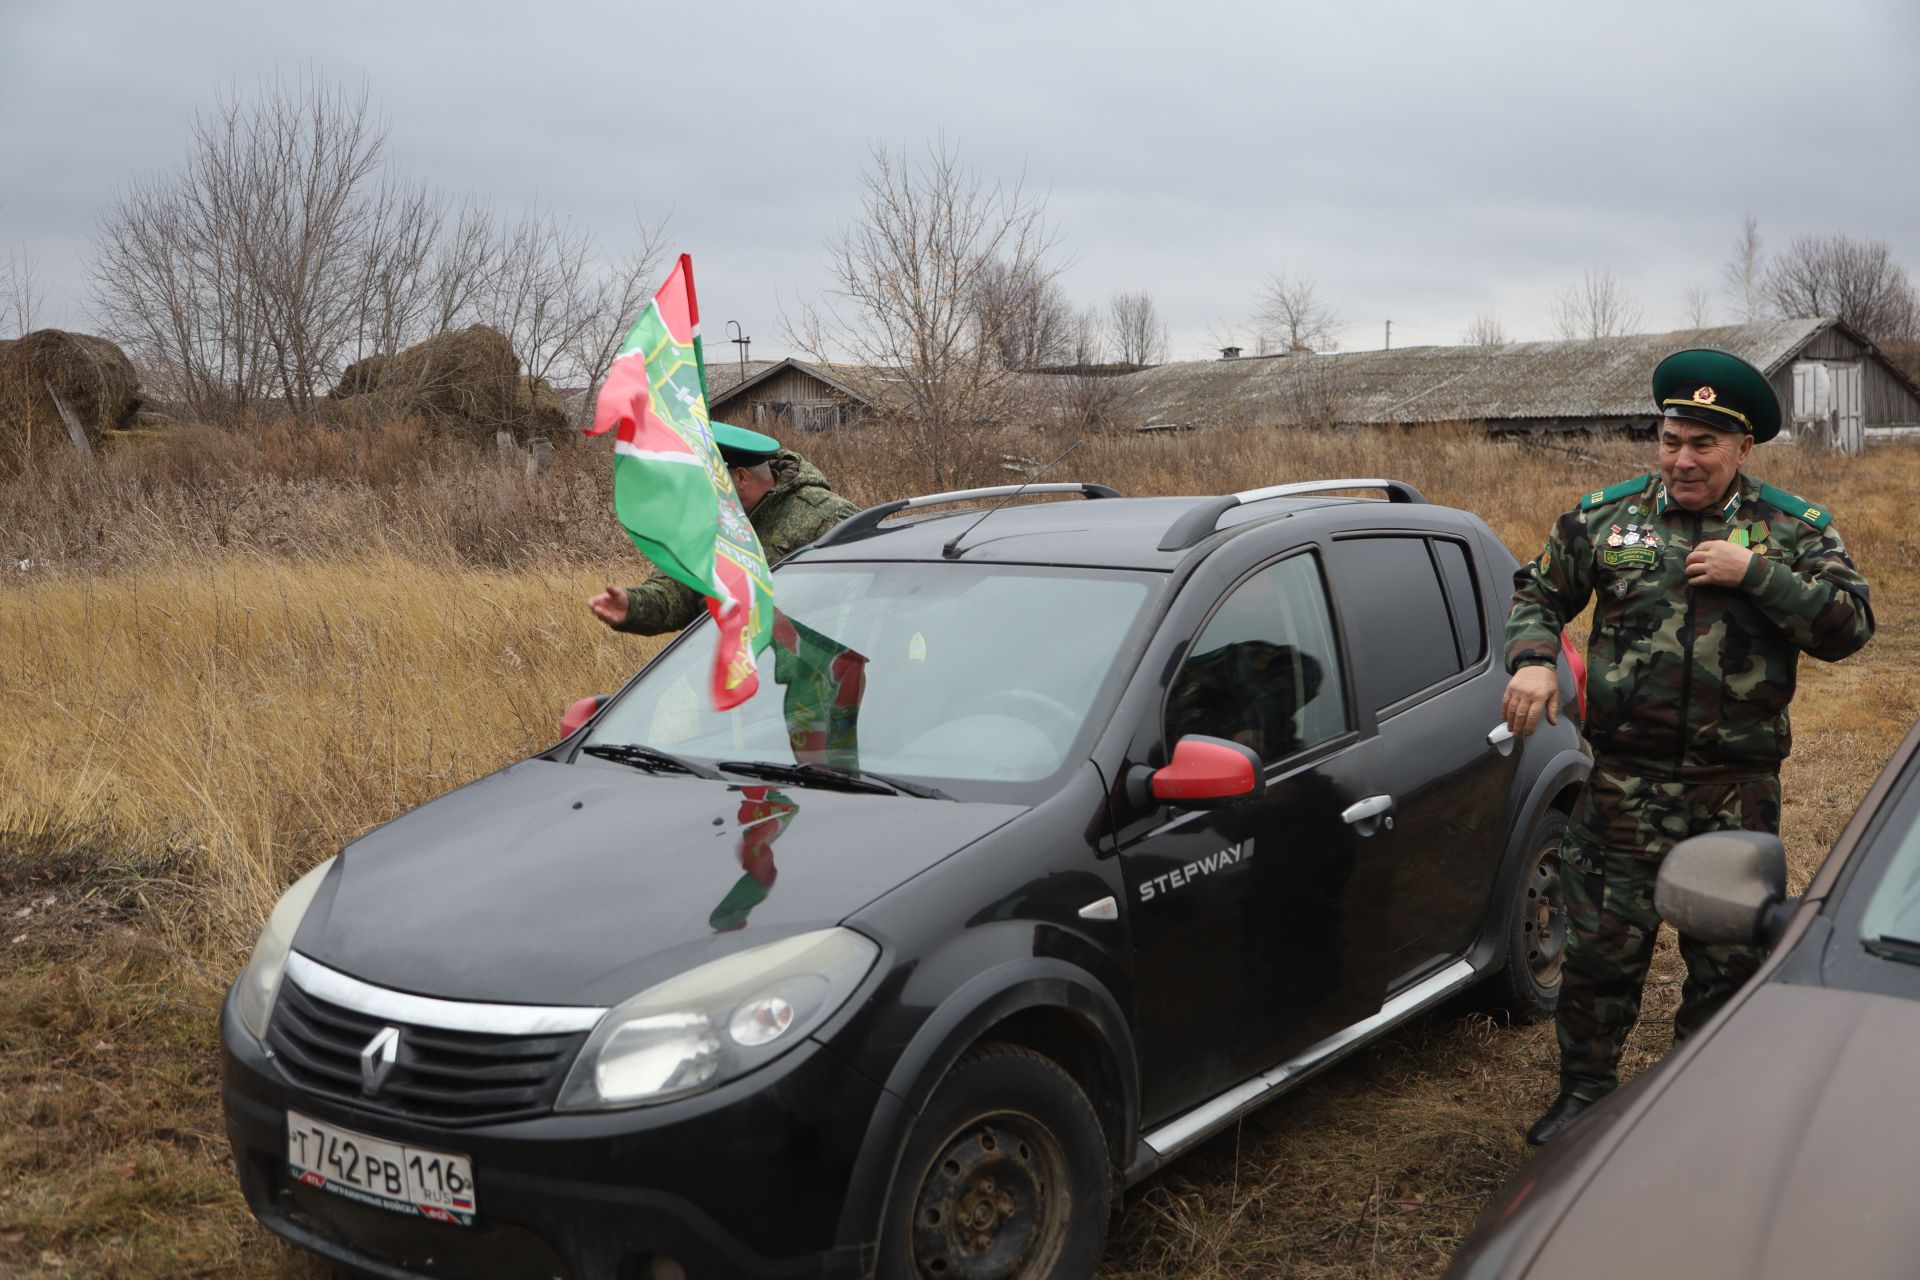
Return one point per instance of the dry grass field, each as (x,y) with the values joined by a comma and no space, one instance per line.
(223,655)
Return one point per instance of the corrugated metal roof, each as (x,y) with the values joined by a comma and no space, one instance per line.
(1600,378)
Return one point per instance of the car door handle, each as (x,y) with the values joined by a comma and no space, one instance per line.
(1501,738)
(1364,810)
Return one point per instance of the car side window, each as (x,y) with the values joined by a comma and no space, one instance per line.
(1265,670)
(1469,622)
(1395,614)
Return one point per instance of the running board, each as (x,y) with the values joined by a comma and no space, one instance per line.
(1209,1118)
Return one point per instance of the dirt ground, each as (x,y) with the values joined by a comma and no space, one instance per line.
(216,666)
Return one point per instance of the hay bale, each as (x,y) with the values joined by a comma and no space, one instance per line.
(466,375)
(468,379)
(56,385)
(359,378)
(539,412)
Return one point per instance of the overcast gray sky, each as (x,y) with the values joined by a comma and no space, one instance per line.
(1420,162)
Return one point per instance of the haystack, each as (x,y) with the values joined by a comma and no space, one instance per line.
(54,383)
(465,378)
(541,413)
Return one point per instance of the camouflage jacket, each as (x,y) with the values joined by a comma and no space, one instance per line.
(799,508)
(1684,682)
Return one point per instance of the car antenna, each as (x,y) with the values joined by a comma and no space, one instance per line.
(952,548)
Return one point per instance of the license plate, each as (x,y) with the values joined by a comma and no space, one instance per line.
(389,1175)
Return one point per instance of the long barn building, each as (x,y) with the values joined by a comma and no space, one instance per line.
(1830,379)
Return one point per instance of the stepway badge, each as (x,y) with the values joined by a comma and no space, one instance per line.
(1181,877)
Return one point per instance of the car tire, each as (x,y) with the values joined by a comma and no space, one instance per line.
(1005,1176)
(1528,988)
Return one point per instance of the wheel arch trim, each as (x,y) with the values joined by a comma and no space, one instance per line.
(962,1020)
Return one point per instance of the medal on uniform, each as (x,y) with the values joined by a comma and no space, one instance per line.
(1738,537)
(1633,535)
(1615,539)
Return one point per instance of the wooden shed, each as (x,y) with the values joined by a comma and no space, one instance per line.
(783,395)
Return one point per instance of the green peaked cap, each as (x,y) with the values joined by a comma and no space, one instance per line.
(1718,389)
(741,447)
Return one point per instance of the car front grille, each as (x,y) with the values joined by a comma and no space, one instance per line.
(446,1076)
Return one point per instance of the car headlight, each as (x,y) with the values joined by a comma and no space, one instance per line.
(260,983)
(717,1022)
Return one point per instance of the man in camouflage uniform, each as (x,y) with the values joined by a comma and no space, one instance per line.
(1708,587)
(788,503)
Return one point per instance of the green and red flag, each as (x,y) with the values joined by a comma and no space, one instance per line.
(671,491)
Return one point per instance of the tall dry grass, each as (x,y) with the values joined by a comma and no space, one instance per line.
(222,655)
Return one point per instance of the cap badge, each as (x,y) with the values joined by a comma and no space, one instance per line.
(1704,395)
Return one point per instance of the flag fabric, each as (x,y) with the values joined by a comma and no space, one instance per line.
(825,682)
(671,491)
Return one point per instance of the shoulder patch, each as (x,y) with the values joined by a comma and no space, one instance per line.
(1626,488)
(1798,508)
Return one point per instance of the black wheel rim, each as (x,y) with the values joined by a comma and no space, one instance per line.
(994,1204)
(1543,919)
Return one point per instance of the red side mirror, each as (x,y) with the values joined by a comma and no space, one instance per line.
(579,713)
(1205,772)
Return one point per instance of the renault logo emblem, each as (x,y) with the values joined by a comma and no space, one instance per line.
(377,1060)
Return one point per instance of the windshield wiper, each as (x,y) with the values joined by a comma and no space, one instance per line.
(825,775)
(647,758)
(1894,947)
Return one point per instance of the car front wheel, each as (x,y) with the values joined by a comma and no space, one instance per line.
(1005,1176)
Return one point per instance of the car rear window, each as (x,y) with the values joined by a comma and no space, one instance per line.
(1468,619)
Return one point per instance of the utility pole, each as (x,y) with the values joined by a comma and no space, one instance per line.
(744,343)
(1389,335)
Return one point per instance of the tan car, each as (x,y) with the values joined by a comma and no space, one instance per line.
(1783,1141)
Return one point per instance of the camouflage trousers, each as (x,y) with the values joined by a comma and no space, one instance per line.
(1612,854)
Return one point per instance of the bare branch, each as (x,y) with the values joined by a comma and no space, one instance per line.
(920,302)
(1696,306)
(1741,279)
(1598,307)
(1293,317)
(1485,330)
(1856,280)
(1139,335)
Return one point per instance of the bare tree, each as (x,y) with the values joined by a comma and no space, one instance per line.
(20,292)
(1597,307)
(905,306)
(1696,306)
(1856,280)
(1485,330)
(246,274)
(1741,279)
(1293,317)
(1088,395)
(1028,321)
(1139,335)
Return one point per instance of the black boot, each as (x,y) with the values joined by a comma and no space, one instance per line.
(1562,1113)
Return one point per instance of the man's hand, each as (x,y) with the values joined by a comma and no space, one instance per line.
(1533,689)
(610,606)
(1718,564)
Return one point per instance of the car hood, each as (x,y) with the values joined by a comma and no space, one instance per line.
(1784,1148)
(584,884)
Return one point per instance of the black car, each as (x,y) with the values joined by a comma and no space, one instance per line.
(1780,1141)
(1055,838)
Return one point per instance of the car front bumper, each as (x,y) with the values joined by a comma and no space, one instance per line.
(747,1180)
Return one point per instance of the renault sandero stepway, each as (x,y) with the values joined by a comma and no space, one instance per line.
(1057,836)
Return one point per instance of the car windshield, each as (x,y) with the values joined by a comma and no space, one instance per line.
(1891,922)
(928,671)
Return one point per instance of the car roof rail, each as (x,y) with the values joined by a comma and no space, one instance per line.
(1202,520)
(865,522)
